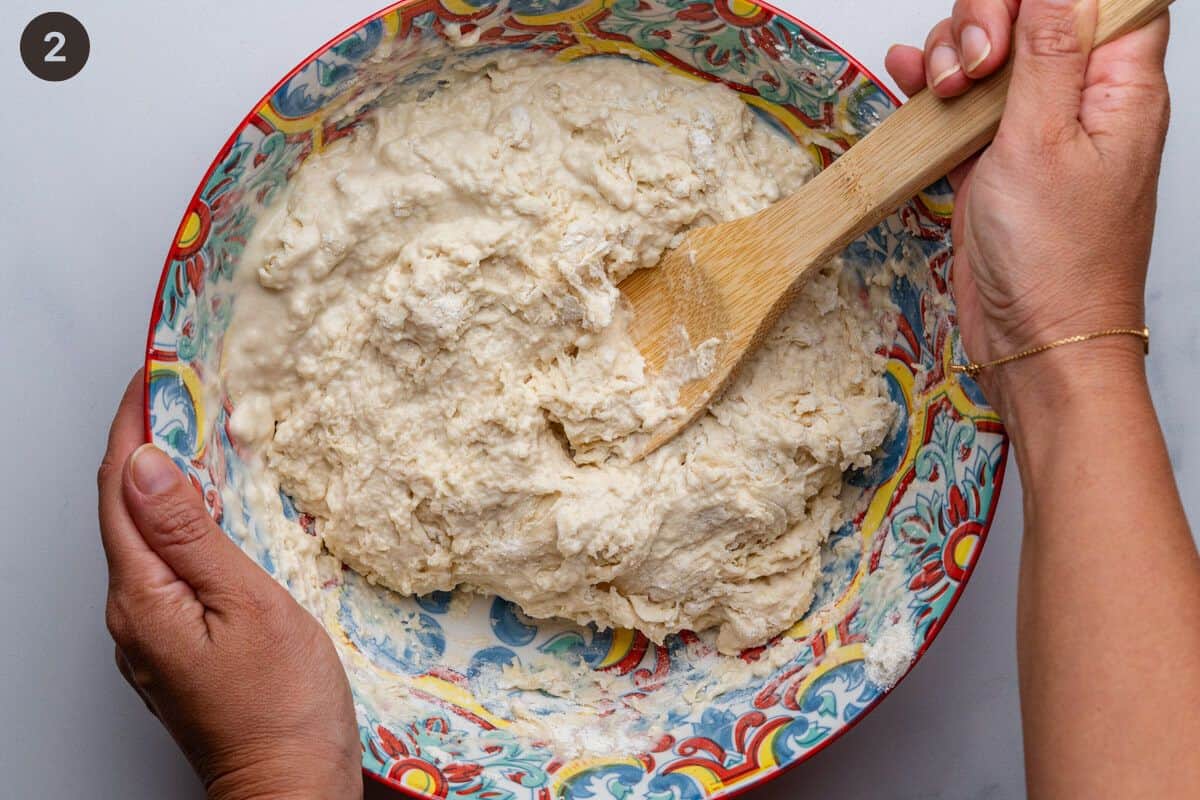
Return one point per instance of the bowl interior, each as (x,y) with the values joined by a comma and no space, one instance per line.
(439,710)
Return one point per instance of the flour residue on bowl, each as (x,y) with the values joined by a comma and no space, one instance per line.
(890,654)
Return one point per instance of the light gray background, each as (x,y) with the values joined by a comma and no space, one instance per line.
(94,175)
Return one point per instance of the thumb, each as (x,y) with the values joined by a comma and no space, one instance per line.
(1054,40)
(1126,105)
(171,517)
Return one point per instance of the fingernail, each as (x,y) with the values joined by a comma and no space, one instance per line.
(943,63)
(976,46)
(153,472)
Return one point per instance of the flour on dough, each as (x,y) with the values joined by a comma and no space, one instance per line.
(430,315)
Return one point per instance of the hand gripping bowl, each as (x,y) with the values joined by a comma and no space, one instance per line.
(434,720)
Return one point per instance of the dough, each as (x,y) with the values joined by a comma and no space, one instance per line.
(430,357)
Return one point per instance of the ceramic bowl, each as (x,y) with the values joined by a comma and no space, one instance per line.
(446,726)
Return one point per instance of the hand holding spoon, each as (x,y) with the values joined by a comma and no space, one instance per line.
(730,282)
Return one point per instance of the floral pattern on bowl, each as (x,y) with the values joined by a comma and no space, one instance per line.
(435,720)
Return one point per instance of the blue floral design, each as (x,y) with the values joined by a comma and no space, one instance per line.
(173,410)
(370,617)
(435,602)
(605,782)
(510,624)
(328,75)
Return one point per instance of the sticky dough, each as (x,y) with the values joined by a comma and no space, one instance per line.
(429,319)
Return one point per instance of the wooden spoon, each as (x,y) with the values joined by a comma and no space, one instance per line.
(730,282)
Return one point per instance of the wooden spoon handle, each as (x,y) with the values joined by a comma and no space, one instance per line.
(914,147)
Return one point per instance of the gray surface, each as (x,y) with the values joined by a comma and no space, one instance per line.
(96,173)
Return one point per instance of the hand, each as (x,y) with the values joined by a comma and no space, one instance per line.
(1054,221)
(245,679)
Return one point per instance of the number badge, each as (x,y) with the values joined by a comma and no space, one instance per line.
(55,46)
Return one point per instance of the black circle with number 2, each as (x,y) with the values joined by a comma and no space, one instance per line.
(55,46)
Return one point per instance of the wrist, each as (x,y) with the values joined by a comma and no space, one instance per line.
(1037,394)
(313,778)
(315,791)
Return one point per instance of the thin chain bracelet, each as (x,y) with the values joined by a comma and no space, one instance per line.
(973,368)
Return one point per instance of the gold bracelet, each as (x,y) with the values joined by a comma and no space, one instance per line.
(973,368)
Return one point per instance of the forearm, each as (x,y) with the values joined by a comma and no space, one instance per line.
(1109,606)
